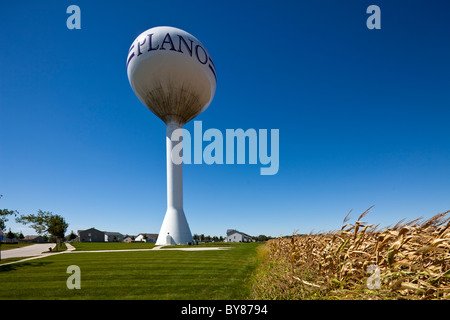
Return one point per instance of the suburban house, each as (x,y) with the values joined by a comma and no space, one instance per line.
(4,238)
(33,238)
(237,236)
(128,239)
(113,236)
(94,235)
(37,239)
(91,235)
(146,237)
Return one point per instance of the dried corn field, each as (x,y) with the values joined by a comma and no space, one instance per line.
(410,260)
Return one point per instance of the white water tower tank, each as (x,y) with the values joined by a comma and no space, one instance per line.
(173,75)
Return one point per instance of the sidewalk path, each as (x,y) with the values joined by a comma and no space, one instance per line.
(27,251)
(70,247)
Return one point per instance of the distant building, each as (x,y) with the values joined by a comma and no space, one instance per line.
(128,239)
(91,235)
(5,239)
(36,239)
(237,236)
(94,235)
(146,237)
(33,238)
(113,236)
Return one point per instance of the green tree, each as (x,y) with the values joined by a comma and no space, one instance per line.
(71,236)
(10,235)
(46,222)
(3,219)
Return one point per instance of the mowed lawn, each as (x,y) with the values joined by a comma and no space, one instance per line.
(91,246)
(156,274)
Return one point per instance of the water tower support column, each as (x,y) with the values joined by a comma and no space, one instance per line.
(175,224)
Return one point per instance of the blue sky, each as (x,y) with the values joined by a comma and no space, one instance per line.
(363,115)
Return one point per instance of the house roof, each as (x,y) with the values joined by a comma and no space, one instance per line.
(32,237)
(89,229)
(105,232)
(151,235)
(231,231)
(112,233)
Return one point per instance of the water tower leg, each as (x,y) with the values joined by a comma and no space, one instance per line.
(175,223)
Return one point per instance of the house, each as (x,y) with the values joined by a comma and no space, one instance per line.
(113,236)
(146,237)
(91,235)
(4,238)
(128,239)
(34,239)
(237,236)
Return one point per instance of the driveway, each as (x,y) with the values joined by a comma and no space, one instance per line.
(27,251)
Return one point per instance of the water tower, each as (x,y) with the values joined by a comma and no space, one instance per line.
(173,75)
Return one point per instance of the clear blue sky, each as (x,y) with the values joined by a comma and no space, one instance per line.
(363,115)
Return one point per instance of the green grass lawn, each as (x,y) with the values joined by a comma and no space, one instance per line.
(207,244)
(92,246)
(8,260)
(158,274)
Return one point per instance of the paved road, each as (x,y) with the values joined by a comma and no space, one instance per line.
(27,251)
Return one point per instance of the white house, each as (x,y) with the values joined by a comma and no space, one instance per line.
(146,237)
(237,236)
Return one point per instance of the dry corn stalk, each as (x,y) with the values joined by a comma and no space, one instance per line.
(413,259)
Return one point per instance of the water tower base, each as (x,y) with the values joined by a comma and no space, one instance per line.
(175,229)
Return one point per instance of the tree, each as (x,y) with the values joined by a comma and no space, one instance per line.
(46,222)
(71,236)
(261,238)
(3,214)
(10,235)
